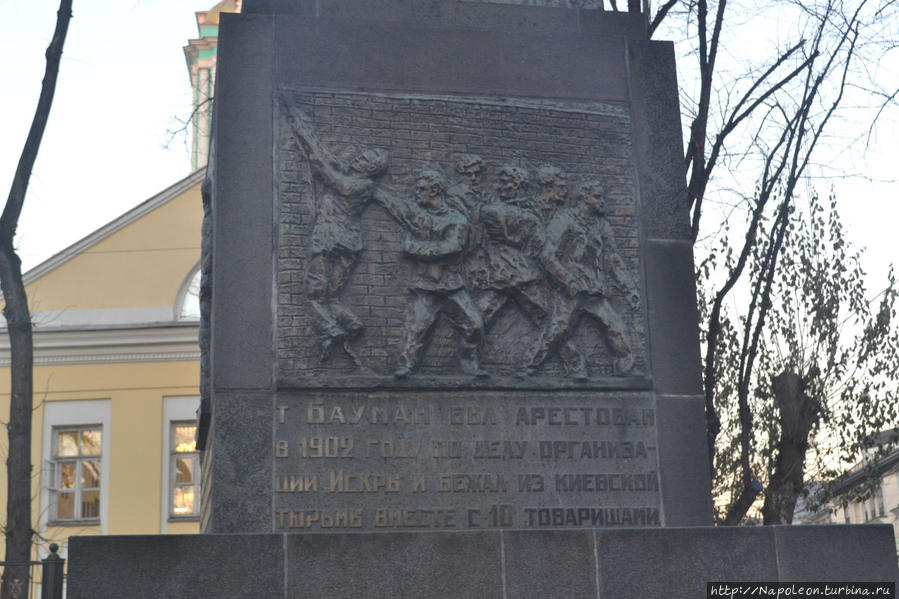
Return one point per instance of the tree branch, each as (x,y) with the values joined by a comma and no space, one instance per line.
(16,199)
(18,320)
(660,16)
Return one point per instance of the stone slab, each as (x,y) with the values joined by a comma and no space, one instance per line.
(557,564)
(243,228)
(467,14)
(684,461)
(541,563)
(400,58)
(237,465)
(665,207)
(679,562)
(394,565)
(804,550)
(673,317)
(167,566)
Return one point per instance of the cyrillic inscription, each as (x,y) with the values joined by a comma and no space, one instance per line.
(436,462)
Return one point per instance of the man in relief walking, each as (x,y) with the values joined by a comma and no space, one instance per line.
(513,236)
(436,239)
(580,256)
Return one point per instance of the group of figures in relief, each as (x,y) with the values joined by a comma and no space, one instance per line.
(549,254)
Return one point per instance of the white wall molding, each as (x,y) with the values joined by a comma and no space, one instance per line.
(104,346)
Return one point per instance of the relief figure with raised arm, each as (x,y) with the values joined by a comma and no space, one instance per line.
(436,240)
(342,189)
(580,256)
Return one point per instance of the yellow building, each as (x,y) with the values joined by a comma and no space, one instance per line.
(116,375)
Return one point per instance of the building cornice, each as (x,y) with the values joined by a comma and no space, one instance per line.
(881,467)
(168,343)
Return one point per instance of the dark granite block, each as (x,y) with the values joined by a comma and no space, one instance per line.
(242,317)
(453,14)
(836,553)
(162,567)
(543,563)
(241,463)
(552,564)
(676,562)
(388,566)
(658,140)
(673,318)
(381,56)
(474,15)
(281,7)
(609,23)
(684,461)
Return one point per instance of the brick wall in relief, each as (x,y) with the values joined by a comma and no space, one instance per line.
(587,141)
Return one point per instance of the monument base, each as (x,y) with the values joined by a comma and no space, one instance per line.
(620,563)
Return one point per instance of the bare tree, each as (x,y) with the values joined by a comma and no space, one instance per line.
(823,383)
(18,321)
(768,119)
(769,123)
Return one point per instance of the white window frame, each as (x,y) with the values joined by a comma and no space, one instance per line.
(184,295)
(175,409)
(874,505)
(77,492)
(60,416)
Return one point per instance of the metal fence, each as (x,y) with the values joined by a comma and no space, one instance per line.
(45,578)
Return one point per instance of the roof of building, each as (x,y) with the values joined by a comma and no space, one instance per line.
(113,226)
(120,293)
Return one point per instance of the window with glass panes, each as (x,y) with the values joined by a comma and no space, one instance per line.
(874,506)
(76,473)
(184,470)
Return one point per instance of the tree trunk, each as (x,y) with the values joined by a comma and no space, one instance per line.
(18,460)
(18,322)
(740,507)
(798,414)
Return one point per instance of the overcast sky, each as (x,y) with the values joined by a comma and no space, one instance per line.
(123,83)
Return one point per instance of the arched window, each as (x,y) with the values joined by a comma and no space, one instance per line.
(187,306)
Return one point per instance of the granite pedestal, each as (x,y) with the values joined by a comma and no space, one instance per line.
(356,371)
(553,564)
